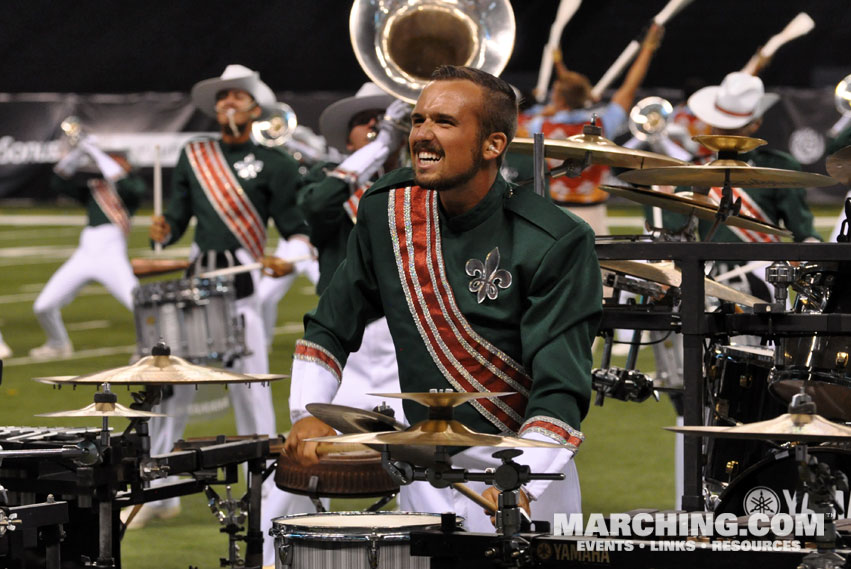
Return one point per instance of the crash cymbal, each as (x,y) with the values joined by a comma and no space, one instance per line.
(714,175)
(353,420)
(839,165)
(438,433)
(603,151)
(443,398)
(690,203)
(160,370)
(103,410)
(667,274)
(787,427)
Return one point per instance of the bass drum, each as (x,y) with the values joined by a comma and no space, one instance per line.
(768,487)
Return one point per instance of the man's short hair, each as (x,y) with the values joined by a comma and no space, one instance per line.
(574,89)
(499,104)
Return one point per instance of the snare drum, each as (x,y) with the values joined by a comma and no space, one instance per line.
(197,318)
(354,540)
(739,384)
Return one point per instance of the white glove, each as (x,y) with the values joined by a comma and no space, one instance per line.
(70,162)
(110,169)
(395,123)
(364,163)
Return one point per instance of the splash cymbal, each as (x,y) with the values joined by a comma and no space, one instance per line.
(160,370)
(443,398)
(799,427)
(689,203)
(353,420)
(603,151)
(103,410)
(714,175)
(667,274)
(839,165)
(433,432)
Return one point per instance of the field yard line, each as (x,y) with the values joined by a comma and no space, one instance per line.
(30,296)
(60,219)
(91,325)
(77,355)
(290,328)
(24,235)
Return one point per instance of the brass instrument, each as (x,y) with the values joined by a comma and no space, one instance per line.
(73,129)
(648,119)
(276,127)
(842,101)
(399,43)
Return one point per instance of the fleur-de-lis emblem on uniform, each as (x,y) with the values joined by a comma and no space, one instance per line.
(248,167)
(489,277)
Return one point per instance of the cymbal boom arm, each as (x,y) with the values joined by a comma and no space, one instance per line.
(727,207)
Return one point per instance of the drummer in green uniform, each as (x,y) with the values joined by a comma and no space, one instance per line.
(485,287)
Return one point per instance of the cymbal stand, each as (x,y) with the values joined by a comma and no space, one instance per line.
(105,513)
(727,207)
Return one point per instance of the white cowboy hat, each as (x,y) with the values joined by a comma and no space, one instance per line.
(740,99)
(334,120)
(234,77)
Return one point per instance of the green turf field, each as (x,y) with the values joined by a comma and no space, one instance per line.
(626,461)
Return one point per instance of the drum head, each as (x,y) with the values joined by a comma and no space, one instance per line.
(768,487)
(353,526)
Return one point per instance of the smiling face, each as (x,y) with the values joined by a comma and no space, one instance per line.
(446,141)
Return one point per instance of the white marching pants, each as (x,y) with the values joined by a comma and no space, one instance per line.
(372,369)
(101,257)
(271,290)
(559,497)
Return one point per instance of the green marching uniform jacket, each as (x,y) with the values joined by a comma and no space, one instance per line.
(269,178)
(130,189)
(505,297)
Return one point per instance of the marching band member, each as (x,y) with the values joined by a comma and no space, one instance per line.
(485,287)
(110,200)
(365,126)
(232,187)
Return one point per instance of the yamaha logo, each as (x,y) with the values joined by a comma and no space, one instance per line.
(761,500)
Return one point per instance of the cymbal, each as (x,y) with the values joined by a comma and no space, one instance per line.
(729,142)
(690,203)
(786,427)
(713,174)
(839,165)
(603,151)
(667,274)
(160,370)
(353,420)
(433,432)
(103,410)
(443,398)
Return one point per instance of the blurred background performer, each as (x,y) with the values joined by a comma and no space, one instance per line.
(232,187)
(565,115)
(110,200)
(361,126)
(5,350)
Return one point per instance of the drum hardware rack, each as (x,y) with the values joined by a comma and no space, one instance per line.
(695,324)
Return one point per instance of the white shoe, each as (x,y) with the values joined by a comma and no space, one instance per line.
(47,352)
(147,513)
(5,350)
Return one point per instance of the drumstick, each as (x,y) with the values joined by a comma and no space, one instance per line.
(245,268)
(324,449)
(800,25)
(489,506)
(158,191)
(671,9)
(565,12)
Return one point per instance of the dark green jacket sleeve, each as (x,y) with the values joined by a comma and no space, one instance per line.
(179,210)
(131,189)
(321,200)
(557,329)
(285,184)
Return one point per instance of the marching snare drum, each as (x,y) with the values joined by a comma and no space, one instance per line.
(196,317)
(354,540)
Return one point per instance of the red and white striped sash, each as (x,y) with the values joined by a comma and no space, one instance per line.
(106,195)
(751,209)
(467,360)
(351,204)
(221,187)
